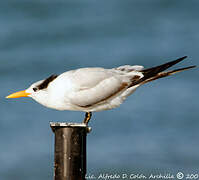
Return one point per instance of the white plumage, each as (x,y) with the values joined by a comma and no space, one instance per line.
(86,89)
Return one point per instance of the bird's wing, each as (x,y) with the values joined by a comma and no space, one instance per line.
(86,78)
(101,92)
(95,86)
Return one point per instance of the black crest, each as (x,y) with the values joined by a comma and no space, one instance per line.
(46,82)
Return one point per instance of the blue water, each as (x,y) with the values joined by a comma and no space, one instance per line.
(155,130)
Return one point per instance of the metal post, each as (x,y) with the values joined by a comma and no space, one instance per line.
(70,151)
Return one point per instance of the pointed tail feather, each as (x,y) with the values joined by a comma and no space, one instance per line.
(165,74)
(150,72)
(154,73)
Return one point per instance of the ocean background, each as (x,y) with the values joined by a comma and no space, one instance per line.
(156,130)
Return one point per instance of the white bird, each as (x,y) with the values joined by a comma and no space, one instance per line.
(93,89)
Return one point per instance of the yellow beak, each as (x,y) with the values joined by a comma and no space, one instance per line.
(18,94)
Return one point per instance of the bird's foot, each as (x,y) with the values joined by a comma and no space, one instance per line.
(87,117)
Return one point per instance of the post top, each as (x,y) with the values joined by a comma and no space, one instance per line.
(67,124)
(55,125)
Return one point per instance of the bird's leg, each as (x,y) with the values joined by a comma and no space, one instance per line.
(87,117)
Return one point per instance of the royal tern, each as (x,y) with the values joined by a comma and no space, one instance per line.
(94,89)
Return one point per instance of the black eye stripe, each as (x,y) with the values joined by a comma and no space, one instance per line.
(45,83)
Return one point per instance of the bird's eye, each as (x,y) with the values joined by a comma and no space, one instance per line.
(35,89)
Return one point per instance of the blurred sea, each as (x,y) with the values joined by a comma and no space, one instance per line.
(154,131)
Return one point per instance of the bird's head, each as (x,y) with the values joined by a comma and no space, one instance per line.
(32,91)
(37,90)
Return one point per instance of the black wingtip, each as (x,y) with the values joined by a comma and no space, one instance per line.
(168,73)
(181,69)
(184,57)
(152,72)
(194,66)
(163,67)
